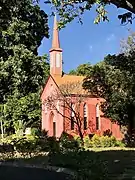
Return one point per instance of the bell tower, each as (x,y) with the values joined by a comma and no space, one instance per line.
(55,52)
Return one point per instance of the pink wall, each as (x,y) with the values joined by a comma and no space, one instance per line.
(104,123)
(64,124)
(49,88)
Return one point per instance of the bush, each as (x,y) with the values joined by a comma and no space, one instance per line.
(78,140)
(68,143)
(87,142)
(96,142)
(53,145)
(35,132)
(102,141)
(120,144)
(106,141)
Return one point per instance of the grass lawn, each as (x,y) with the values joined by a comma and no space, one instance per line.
(120,162)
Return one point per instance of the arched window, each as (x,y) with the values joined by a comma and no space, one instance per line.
(97,117)
(85,116)
(72,116)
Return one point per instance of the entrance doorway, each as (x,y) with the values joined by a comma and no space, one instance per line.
(52,125)
(54,129)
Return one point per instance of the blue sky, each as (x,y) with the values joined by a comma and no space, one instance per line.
(88,42)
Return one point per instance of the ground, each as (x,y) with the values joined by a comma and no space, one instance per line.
(120,164)
(16,173)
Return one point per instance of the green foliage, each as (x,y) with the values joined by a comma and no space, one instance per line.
(68,143)
(23,25)
(35,132)
(113,80)
(22,21)
(78,140)
(19,127)
(121,144)
(82,70)
(26,109)
(102,141)
(69,10)
(31,144)
(96,141)
(87,142)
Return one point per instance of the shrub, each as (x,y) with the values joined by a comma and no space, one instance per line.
(35,132)
(96,141)
(87,142)
(78,140)
(120,144)
(102,141)
(107,141)
(68,143)
(113,141)
(53,145)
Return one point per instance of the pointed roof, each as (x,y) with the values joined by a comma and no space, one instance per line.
(71,80)
(55,39)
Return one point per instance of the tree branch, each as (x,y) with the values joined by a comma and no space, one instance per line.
(129,5)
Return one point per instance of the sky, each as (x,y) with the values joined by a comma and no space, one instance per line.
(88,42)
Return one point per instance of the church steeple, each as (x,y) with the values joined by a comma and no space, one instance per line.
(55,52)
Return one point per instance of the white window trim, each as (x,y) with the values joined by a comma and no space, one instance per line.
(98,115)
(72,110)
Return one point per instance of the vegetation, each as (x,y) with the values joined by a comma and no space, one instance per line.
(68,10)
(23,25)
(113,80)
(102,141)
(67,152)
(82,70)
(84,162)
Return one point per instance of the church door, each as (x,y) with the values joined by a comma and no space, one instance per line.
(52,125)
(54,129)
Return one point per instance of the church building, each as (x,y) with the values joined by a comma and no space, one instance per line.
(71,109)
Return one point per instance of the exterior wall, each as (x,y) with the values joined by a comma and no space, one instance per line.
(46,114)
(64,124)
(105,124)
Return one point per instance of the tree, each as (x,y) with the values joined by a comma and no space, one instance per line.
(66,101)
(22,21)
(82,70)
(113,80)
(68,10)
(128,45)
(22,71)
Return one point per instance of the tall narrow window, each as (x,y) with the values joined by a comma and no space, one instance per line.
(85,116)
(72,116)
(57,60)
(97,117)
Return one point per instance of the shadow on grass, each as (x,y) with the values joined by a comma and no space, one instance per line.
(109,164)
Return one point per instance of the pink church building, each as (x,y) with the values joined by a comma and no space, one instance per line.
(57,121)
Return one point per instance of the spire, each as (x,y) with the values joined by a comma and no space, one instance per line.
(55,52)
(55,40)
